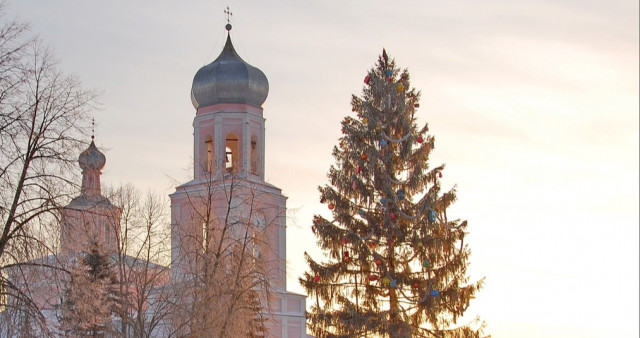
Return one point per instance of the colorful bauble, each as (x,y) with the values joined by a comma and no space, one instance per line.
(373,278)
(392,215)
(365,120)
(386,281)
(420,139)
(426,263)
(388,73)
(383,143)
(372,245)
(440,174)
(345,254)
(358,169)
(435,293)
(399,87)
(415,285)
(347,259)
(417,105)
(316,278)
(383,200)
(360,212)
(401,194)
(363,157)
(378,261)
(393,283)
(367,79)
(345,240)
(331,206)
(432,216)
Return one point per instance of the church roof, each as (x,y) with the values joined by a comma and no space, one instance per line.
(229,79)
(86,201)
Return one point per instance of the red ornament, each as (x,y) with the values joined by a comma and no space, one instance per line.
(358,169)
(367,79)
(392,215)
(378,261)
(440,174)
(419,139)
(373,278)
(345,241)
(346,254)
(347,260)
(390,79)
(331,206)
(415,285)
(417,105)
(372,245)
(364,157)
(316,278)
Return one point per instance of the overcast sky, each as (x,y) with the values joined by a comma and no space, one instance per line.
(534,106)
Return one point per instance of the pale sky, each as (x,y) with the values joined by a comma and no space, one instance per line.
(534,106)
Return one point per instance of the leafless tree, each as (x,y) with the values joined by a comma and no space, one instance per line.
(142,261)
(43,116)
(227,267)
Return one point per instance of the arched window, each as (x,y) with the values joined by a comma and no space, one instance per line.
(231,146)
(209,147)
(255,161)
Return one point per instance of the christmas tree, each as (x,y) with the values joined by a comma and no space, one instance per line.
(396,261)
(90,297)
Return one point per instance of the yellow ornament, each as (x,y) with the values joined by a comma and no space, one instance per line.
(400,87)
(365,120)
(386,281)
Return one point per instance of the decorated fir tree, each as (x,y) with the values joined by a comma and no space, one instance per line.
(397,262)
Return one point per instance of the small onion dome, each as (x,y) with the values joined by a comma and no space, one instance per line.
(92,158)
(229,79)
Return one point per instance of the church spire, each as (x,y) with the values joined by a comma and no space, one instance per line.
(91,162)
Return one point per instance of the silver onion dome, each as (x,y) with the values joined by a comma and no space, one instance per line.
(92,158)
(229,79)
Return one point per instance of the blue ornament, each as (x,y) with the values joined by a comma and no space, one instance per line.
(388,72)
(361,212)
(393,283)
(432,216)
(426,263)
(383,200)
(383,143)
(435,293)
(401,194)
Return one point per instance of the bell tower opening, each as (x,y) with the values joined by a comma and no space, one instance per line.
(255,159)
(209,148)
(231,152)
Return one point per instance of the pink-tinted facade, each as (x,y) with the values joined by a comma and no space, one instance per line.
(229,168)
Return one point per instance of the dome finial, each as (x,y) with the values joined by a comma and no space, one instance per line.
(229,14)
(93,128)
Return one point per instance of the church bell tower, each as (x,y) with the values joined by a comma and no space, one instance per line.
(228,180)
